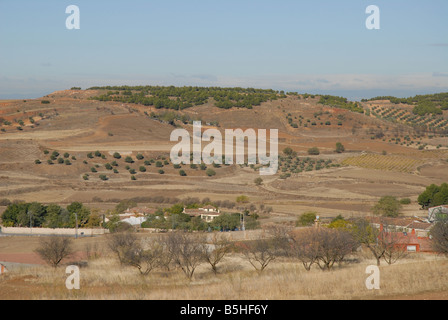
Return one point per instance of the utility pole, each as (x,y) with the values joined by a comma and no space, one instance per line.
(76,225)
(31,221)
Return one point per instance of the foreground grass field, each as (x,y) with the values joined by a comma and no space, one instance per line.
(415,277)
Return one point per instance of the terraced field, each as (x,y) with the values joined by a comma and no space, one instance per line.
(385,162)
(407,117)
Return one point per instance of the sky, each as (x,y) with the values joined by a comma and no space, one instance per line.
(319,46)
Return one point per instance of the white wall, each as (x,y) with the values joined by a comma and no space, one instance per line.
(48,231)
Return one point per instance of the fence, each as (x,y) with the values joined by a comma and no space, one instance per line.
(49,231)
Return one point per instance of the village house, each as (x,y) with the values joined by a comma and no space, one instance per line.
(207,213)
(410,233)
(136,216)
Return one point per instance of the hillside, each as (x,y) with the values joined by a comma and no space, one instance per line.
(387,148)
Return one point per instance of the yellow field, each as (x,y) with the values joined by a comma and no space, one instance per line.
(385,162)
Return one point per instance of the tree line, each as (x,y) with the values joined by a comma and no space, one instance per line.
(341,102)
(37,215)
(179,98)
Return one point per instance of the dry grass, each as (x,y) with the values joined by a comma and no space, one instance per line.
(104,278)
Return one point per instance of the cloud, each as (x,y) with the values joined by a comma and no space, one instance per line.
(440,74)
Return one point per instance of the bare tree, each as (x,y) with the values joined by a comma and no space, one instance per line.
(281,238)
(259,253)
(143,257)
(305,247)
(120,243)
(321,246)
(393,249)
(215,252)
(367,235)
(439,234)
(186,251)
(166,257)
(333,246)
(383,242)
(54,249)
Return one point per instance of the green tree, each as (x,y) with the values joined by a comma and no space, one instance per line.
(242,199)
(314,151)
(387,206)
(306,219)
(340,147)
(129,159)
(226,222)
(54,216)
(289,152)
(433,196)
(78,213)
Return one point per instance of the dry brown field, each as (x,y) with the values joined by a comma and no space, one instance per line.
(369,169)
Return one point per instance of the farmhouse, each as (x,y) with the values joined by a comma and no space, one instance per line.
(407,233)
(406,225)
(409,241)
(207,213)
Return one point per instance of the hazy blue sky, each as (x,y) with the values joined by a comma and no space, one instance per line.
(318,46)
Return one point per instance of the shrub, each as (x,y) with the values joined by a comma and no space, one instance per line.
(182,173)
(405,201)
(314,151)
(340,147)
(306,219)
(210,172)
